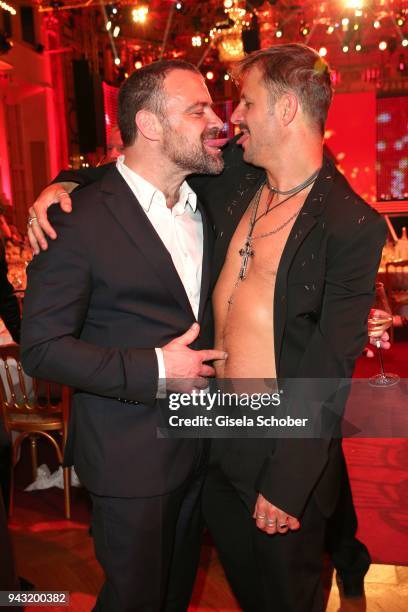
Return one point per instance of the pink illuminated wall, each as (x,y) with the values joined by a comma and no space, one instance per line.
(351,137)
(392,148)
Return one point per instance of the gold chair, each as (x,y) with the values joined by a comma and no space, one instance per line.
(33,413)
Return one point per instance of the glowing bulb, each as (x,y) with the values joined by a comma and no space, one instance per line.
(196,41)
(278,33)
(322,51)
(139,14)
(356,26)
(228,4)
(108,25)
(138,65)
(345,48)
(405,42)
(114,10)
(226,77)
(345,21)
(116,31)
(383,45)
(305,31)
(179,6)
(117,61)
(209,75)
(8,8)
(330,29)
(358,47)
(377,24)
(400,21)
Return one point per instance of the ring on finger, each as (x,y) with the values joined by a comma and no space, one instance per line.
(260,517)
(31,220)
(271,522)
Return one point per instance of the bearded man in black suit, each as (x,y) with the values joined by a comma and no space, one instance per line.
(111,322)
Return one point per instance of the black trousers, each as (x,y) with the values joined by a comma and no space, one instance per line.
(279,573)
(149,548)
(349,556)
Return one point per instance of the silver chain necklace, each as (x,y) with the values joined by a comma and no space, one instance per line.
(247,251)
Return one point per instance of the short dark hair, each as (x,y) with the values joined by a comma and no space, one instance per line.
(298,68)
(144,90)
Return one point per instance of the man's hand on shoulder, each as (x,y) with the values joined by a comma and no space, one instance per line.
(38,225)
(271,519)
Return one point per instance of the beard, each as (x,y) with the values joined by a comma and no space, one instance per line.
(192,157)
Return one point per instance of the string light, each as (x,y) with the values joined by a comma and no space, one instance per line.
(179,6)
(108,25)
(358,47)
(322,51)
(228,3)
(404,42)
(377,24)
(330,29)
(226,77)
(138,65)
(278,33)
(8,8)
(209,76)
(116,31)
(117,61)
(345,48)
(382,45)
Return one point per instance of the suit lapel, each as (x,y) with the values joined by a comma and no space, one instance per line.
(127,211)
(208,241)
(306,221)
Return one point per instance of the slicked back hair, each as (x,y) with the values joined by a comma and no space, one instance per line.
(297,68)
(144,90)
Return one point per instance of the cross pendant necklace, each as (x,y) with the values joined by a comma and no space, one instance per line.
(245,253)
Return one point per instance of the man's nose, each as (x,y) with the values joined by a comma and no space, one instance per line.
(236,116)
(215,121)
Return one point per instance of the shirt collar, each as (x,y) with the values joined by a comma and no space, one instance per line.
(146,192)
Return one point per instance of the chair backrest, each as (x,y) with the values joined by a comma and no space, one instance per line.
(20,393)
(396,273)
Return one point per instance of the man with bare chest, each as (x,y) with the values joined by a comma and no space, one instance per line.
(295,260)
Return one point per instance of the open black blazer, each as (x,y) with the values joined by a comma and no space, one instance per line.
(324,290)
(97,303)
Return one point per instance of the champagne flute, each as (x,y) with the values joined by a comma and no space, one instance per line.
(379,320)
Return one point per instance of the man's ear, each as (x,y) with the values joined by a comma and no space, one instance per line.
(148,124)
(288,106)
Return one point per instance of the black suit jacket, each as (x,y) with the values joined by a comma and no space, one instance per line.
(324,290)
(97,303)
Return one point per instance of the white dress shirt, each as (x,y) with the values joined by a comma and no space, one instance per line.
(180,228)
